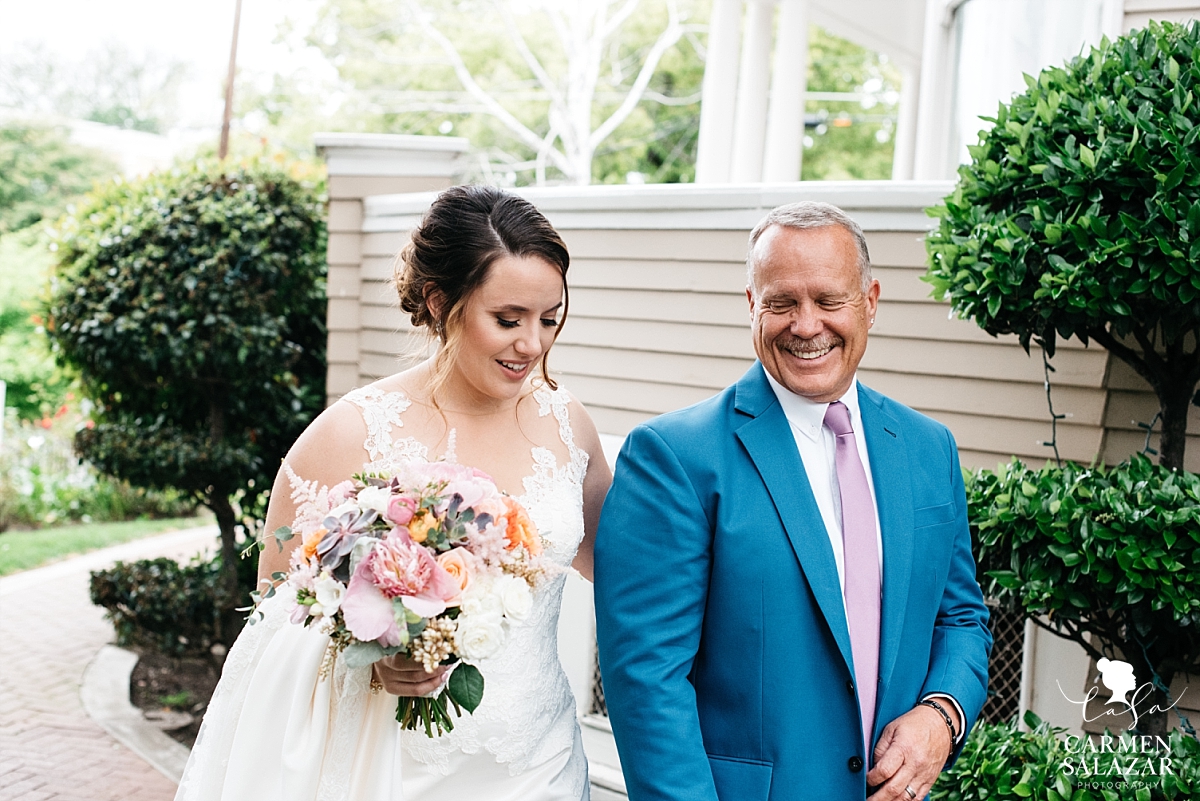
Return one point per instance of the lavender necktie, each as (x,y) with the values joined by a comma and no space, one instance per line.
(859,544)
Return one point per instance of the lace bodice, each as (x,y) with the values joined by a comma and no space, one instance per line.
(528,708)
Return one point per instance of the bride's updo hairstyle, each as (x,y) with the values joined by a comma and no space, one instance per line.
(464,232)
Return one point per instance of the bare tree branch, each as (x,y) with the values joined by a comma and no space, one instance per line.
(618,19)
(531,139)
(666,41)
(531,60)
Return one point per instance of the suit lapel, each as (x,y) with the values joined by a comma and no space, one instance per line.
(888,455)
(768,439)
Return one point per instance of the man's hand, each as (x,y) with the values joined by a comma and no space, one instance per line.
(399,675)
(910,753)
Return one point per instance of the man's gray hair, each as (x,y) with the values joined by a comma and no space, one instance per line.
(808,214)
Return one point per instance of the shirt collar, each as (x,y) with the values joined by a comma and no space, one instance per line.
(808,416)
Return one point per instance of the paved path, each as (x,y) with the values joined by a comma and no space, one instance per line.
(50,750)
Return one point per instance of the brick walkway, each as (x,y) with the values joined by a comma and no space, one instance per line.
(50,750)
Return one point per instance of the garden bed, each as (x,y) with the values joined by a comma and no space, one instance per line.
(173,692)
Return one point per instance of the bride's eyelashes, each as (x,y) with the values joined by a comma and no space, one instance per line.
(548,322)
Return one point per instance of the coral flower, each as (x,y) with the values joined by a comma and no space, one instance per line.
(309,548)
(519,529)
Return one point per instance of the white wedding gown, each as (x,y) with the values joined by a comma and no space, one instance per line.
(276,730)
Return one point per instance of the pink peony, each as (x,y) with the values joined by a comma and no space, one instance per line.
(397,567)
(472,484)
(367,611)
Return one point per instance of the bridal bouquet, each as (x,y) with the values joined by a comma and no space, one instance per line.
(433,562)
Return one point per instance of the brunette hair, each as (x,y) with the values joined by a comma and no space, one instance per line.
(464,232)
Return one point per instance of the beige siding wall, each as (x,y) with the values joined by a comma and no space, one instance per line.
(659,319)
(360,166)
(1139,12)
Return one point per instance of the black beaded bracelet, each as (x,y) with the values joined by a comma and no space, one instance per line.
(946,717)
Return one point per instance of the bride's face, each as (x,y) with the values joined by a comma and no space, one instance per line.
(508,324)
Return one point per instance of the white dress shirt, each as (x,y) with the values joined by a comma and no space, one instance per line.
(818,452)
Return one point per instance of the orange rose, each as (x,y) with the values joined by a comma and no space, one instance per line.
(456,564)
(520,530)
(309,548)
(419,526)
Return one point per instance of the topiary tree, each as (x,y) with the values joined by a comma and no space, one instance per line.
(1079,215)
(192,304)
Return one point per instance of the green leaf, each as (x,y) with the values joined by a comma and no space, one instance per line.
(1175,177)
(362,654)
(466,686)
(1087,156)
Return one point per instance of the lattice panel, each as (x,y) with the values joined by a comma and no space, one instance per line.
(597,707)
(1004,668)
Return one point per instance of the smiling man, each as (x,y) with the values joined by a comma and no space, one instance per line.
(785,595)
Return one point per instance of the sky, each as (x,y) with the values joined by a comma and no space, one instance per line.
(197,33)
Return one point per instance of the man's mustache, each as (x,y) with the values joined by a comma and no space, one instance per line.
(798,346)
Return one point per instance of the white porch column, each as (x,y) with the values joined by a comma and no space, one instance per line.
(789,79)
(906,126)
(750,119)
(932,159)
(719,93)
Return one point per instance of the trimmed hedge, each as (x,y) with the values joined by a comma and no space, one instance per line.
(1109,551)
(1000,763)
(178,609)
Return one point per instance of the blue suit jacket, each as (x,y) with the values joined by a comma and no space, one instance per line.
(722,631)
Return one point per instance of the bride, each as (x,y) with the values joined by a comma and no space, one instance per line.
(486,274)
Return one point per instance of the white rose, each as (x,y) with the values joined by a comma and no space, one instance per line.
(482,600)
(478,637)
(515,597)
(348,506)
(374,498)
(329,592)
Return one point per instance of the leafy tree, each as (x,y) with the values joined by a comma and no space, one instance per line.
(192,304)
(851,140)
(1079,215)
(400,82)
(40,170)
(543,88)
(106,84)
